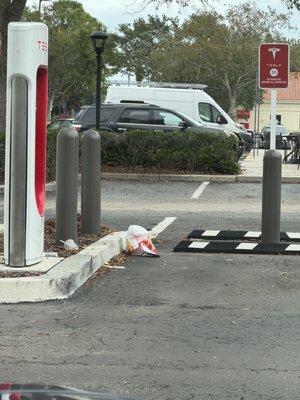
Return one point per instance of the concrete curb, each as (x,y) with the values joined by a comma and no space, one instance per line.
(168,177)
(61,281)
(194,178)
(124,176)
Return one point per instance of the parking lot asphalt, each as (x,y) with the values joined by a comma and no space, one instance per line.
(182,326)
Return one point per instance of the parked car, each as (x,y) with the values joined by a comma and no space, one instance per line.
(61,123)
(30,391)
(189,99)
(134,115)
(247,137)
(281,137)
(256,138)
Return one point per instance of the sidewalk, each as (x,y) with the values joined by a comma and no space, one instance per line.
(252,166)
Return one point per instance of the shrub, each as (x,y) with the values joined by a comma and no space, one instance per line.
(51,156)
(181,151)
(192,152)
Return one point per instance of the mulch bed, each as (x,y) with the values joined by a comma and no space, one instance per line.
(83,240)
(18,274)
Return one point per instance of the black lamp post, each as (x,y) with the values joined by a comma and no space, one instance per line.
(98,39)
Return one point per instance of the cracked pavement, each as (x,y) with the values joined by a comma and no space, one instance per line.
(183,326)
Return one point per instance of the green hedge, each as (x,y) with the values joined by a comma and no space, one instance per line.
(182,151)
(192,152)
(51,155)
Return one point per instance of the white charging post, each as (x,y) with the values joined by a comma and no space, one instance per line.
(25,157)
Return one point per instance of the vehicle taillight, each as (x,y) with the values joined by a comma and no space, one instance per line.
(5,386)
(15,396)
(7,396)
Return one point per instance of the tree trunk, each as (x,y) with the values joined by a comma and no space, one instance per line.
(139,75)
(10,10)
(50,107)
(232,107)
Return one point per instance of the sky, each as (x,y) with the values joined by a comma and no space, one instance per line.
(114,12)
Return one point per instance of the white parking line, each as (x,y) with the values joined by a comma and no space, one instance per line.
(159,228)
(199,191)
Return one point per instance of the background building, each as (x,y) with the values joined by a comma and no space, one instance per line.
(288,106)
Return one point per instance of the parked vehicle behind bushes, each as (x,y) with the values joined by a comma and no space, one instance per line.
(123,117)
(187,98)
(281,137)
(60,123)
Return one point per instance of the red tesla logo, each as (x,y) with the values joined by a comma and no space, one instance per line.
(43,46)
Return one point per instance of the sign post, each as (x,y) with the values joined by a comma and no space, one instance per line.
(273,74)
(273,119)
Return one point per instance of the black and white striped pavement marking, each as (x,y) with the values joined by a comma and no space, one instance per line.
(189,246)
(239,235)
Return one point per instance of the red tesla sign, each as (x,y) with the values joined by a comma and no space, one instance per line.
(274,65)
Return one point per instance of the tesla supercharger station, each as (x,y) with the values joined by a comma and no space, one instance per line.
(25,158)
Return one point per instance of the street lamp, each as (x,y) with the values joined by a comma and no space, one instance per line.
(98,40)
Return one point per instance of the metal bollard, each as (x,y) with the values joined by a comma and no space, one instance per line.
(66,184)
(271,197)
(90,182)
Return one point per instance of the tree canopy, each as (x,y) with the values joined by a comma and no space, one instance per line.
(184,3)
(293,4)
(220,51)
(136,44)
(10,10)
(72,62)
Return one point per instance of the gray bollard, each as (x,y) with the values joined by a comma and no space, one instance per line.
(90,182)
(67,149)
(271,197)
